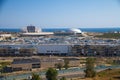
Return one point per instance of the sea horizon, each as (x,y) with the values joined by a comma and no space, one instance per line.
(54,27)
(96,29)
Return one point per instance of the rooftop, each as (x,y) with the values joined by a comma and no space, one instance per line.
(25,60)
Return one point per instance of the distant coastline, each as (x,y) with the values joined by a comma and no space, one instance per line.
(103,30)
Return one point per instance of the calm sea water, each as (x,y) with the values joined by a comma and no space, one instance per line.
(67,29)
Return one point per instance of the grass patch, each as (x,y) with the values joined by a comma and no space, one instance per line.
(109,35)
(109,74)
(4,63)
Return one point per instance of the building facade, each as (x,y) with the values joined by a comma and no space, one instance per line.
(53,49)
(26,64)
(96,50)
(60,49)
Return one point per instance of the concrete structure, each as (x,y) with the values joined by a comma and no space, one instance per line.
(96,50)
(70,32)
(63,33)
(17,50)
(5,36)
(60,49)
(25,64)
(75,30)
(53,49)
(36,34)
(32,31)
(28,50)
(50,62)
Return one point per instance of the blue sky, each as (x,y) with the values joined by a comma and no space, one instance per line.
(59,13)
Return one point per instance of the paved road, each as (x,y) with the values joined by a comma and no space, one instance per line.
(70,73)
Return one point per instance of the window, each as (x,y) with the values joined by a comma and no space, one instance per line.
(37,65)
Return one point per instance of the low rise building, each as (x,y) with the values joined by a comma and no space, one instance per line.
(96,50)
(5,36)
(53,49)
(17,50)
(26,64)
(50,62)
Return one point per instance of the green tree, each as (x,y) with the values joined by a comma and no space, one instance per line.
(90,72)
(51,74)
(63,78)
(14,79)
(24,79)
(59,66)
(36,77)
(66,63)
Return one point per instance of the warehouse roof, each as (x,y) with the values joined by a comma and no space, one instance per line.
(25,60)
